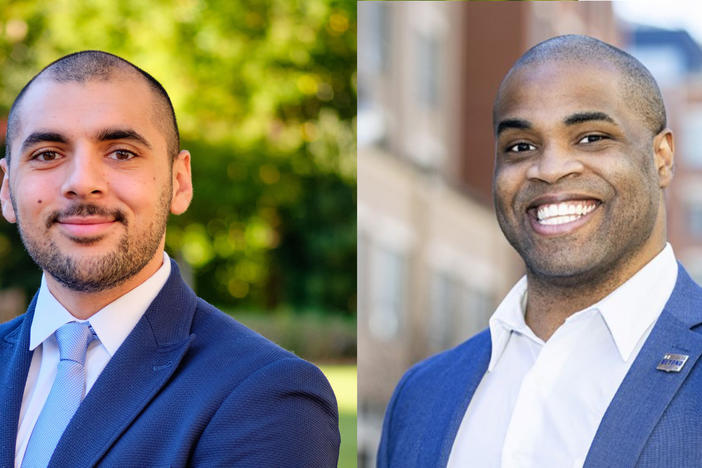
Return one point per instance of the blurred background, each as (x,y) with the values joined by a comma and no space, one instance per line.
(432,262)
(265,97)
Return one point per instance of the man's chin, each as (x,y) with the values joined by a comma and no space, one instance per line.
(565,274)
(86,241)
(90,281)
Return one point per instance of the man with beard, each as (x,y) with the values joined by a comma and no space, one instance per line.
(591,359)
(116,361)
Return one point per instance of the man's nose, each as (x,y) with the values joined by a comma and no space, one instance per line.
(85,177)
(555,163)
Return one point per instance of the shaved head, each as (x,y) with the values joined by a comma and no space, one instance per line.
(638,85)
(95,65)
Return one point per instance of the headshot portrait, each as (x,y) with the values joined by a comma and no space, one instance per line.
(581,349)
(116,358)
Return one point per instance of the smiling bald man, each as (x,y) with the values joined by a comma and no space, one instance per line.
(591,359)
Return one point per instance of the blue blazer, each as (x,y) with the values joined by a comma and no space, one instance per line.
(654,419)
(189,386)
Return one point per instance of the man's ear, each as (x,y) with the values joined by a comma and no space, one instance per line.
(182,183)
(8,211)
(664,156)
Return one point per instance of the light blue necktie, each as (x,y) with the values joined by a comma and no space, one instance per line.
(66,394)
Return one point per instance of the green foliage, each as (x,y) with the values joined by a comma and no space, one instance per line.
(266,101)
(343,381)
(312,336)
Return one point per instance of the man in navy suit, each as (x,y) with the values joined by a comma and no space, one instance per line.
(117,362)
(591,359)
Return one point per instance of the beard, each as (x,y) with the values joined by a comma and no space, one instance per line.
(627,222)
(93,273)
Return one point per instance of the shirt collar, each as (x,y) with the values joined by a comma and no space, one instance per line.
(635,305)
(627,312)
(111,324)
(509,317)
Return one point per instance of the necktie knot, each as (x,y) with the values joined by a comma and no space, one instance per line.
(73,340)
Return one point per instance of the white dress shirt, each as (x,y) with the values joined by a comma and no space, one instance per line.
(111,325)
(540,403)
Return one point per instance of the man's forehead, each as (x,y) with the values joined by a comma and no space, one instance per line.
(45,85)
(545,86)
(46,95)
(75,109)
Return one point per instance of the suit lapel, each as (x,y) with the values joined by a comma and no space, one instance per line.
(458,386)
(646,392)
(134,375)
(16,358)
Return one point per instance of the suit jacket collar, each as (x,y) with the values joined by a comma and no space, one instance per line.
(646,392)
(15,358)
(451,399)
(139,369)
(635,409)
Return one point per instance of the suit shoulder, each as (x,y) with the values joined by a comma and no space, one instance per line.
(12,326)
(438,383)
(225,339)
(217,325)
(437,365)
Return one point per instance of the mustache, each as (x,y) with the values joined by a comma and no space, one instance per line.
(85,209)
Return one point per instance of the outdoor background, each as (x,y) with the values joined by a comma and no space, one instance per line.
(265,97)
(432,262)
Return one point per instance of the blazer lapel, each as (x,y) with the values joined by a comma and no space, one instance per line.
(16,358)
(458,386)
(646,392)
(134,375)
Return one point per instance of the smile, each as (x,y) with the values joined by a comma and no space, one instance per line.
(90,226)
(564,212)
(550,216)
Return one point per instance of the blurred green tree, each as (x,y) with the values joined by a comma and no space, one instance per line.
(265,96)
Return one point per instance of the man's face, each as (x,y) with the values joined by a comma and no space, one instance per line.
(578,175)
(90,182)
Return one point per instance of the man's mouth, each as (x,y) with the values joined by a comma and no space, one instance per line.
(564,212)
(555,215)
(85,226)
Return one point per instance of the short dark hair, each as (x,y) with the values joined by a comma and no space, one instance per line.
(640,87)
(90,65)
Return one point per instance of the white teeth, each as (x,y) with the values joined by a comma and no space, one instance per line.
(564,212)
(559,220)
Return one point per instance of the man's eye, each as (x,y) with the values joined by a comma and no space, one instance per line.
(122,155)
(591,138)
(521,147)
(46,156)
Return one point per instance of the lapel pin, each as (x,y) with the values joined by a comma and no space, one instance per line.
(672,362)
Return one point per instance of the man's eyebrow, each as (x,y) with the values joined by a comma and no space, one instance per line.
(41,137)
(512,123)
(581,117)
(121,134)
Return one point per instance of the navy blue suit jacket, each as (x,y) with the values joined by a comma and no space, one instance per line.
(189,386)
(654,419)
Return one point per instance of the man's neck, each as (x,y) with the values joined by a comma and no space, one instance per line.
(550,303)
(83,305)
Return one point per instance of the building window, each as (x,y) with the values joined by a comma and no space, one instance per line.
(362,268)
(444,310)
(388,289)
(457,311)
(694,219)
(374,58)
(427,71)
(476,311)
(374,37)
(692,138)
